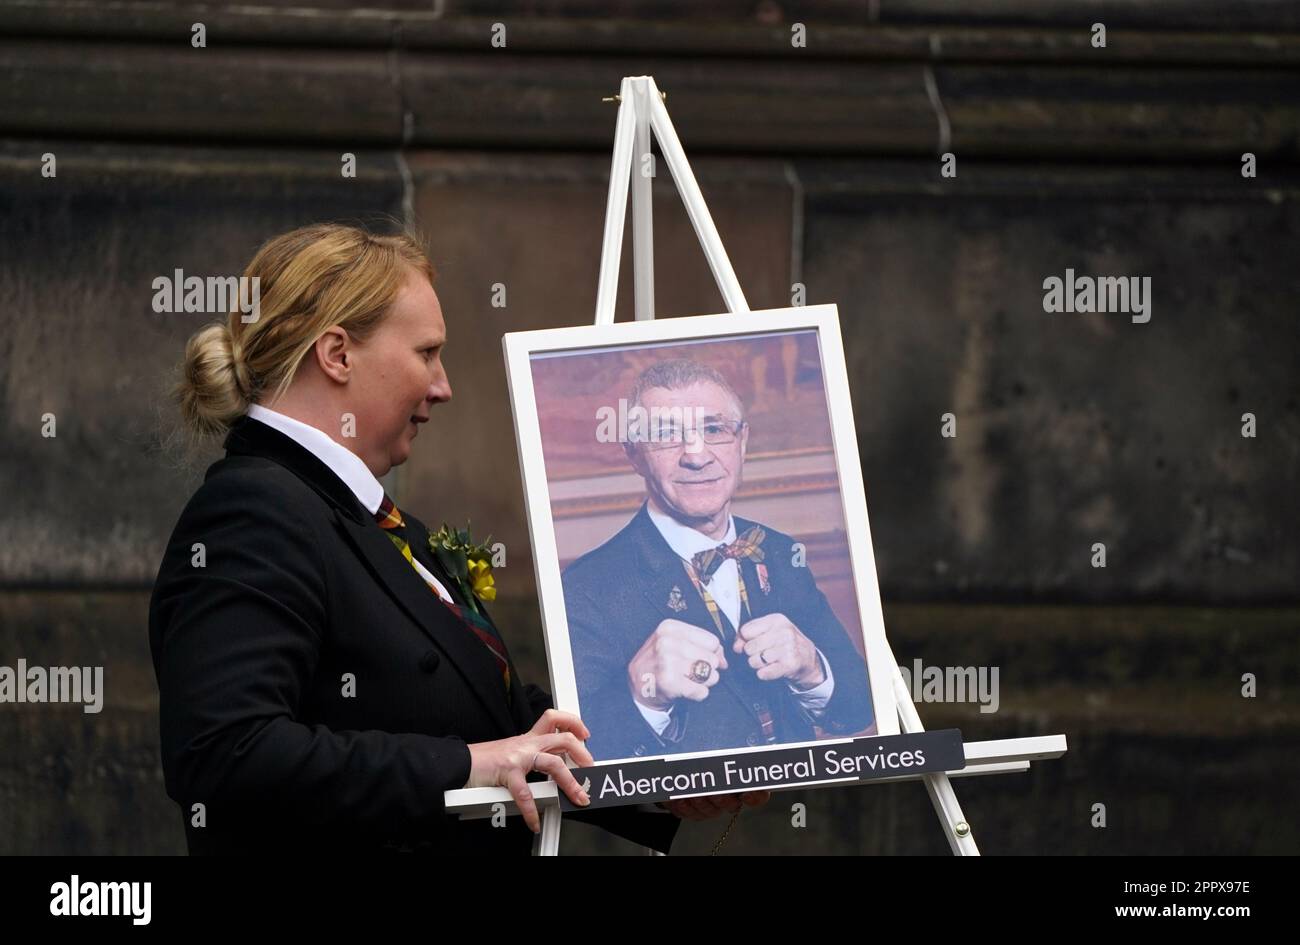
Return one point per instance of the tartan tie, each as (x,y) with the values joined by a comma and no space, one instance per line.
(765,720)
(390,519)
(746,546)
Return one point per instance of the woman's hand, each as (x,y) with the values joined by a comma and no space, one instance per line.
(706,808)
(506,762)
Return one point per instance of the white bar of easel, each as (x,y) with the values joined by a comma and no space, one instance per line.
(641,111)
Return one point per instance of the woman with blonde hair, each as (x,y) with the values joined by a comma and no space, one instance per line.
(322,679)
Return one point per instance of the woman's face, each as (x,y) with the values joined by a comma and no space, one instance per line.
(399,376)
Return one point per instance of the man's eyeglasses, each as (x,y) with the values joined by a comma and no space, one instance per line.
(713,432)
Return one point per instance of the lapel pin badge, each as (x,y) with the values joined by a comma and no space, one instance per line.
(763,583)
(676,602)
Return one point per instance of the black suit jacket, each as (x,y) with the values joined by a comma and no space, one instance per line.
(314,693)
(617,594)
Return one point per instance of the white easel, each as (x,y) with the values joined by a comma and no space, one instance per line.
(641,110)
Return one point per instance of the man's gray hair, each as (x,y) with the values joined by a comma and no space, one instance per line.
(678,373)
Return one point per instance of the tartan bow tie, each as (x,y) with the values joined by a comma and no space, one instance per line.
(746,546)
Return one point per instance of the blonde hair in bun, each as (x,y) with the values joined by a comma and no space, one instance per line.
(309,279)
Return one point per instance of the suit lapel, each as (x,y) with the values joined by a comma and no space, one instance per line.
(421,550)
(252,437)
(666,585)
(438,623)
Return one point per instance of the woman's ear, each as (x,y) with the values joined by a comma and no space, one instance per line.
(333,354)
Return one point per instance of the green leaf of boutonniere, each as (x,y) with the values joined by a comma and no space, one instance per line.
(468,564)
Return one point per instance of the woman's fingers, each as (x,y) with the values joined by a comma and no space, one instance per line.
(568,743)
(562,733)
(524,799)
(564,779)
(553,720)
(543,754)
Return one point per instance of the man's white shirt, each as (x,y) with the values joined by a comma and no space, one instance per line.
(724,588)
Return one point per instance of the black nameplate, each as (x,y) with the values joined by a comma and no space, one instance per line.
(839,762)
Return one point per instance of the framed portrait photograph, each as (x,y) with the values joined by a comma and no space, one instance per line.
(700,535)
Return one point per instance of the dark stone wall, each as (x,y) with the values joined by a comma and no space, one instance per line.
(821,167)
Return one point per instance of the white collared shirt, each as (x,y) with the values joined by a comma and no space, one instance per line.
(724,588)
(345,464)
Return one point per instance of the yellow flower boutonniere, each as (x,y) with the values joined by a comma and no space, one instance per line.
(481,581)
(469,564)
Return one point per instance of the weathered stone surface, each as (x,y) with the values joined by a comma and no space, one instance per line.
(1066,107)
(1072,429)
(72,781)
(834,27)
(81,339)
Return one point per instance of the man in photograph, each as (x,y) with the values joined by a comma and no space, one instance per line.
(694,629)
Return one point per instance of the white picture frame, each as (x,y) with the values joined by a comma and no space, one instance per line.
(522,348)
